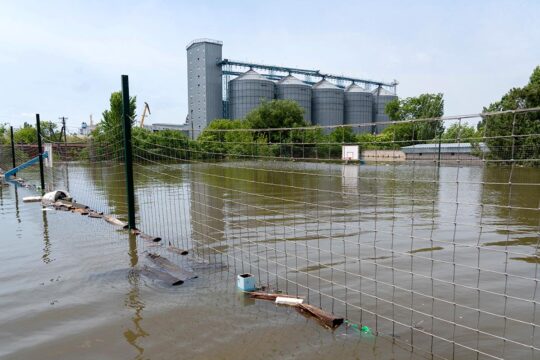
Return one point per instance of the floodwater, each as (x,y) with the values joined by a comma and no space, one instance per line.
(418,254)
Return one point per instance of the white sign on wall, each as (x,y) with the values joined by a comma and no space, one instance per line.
(49,159)
(349,152)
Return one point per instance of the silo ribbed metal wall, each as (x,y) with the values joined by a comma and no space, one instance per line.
(299,93)
(359,110)
(246,95)
(327,107)
(379,105)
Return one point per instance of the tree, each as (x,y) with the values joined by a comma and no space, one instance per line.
(424,106)
(276,114)
(217,139)
(25,135)
(4,134)
(108,136)
(513,136)
(463,133)
(112,118)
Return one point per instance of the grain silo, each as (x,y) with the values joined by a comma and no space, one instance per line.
(326,104)
(358,108)
(248,91)
(381,97)
(292,88)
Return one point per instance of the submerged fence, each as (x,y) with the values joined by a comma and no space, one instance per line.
(435,245)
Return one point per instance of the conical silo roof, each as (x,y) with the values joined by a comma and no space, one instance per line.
(291,80)
(382,92)
(324,84)
(251,75)
(355,88)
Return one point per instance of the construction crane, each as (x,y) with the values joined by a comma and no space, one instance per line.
(146,108)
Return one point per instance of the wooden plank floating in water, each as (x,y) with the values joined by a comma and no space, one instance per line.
(115,221)
(80,211)
(171,267)
(328,320)
(32,199)
(161,275)
(77,205)
(176,250)
(271,297)
(149,237)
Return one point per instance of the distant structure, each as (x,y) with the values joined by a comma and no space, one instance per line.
(86,129)
(204,82)
(445,151)
(223,88)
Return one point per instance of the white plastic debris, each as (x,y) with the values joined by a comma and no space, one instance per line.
(288,301)
(54,196)
(31,199)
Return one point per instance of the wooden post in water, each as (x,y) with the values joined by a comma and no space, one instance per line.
(14,163)
(128,159)
(40,149)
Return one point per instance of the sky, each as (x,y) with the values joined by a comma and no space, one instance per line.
(64,58)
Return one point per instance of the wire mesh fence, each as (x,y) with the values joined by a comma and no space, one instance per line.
(431,241)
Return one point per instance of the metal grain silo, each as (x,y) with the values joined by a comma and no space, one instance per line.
(326,104)
(358,108)
(292,88)
(247,91)
(381,97)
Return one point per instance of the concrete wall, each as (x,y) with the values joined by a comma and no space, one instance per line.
(383,155)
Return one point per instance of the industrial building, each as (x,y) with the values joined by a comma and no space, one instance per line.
(222,88)
(446,151)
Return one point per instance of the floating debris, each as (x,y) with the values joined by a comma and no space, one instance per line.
(269,296)
(115,221)
(80,211)
(359,329)
(167,278)
(246,282)
(54,196)
(425,249)
(176,250)
(172,268)
(31,199)
(282,300)
(149,237)
(326,319)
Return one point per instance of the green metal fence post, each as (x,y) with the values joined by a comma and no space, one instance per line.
(14,163)
(40,149)
(439,152)
(128,159)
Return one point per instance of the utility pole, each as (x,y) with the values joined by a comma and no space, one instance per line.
(63,131)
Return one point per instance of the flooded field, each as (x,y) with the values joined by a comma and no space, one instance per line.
(419,254)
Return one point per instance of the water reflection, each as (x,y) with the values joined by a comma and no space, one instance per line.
(17,211)
(134,302)
(46,257)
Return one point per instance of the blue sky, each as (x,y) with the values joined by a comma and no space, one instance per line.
(64,58)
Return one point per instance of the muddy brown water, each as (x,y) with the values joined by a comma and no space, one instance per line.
(408,243)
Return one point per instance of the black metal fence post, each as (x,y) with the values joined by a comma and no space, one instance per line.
(14,163)
(128,159)
(40,149)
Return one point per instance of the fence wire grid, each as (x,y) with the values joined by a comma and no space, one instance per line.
(435,246)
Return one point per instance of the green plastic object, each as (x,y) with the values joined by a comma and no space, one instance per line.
(363,329)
